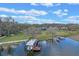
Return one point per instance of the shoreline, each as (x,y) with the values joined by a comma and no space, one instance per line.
(75,37)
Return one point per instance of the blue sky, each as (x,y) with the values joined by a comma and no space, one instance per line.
(39,13)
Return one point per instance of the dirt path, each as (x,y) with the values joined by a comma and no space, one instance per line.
(13,41)
(76,37)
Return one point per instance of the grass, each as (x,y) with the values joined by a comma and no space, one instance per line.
(43,36)
(71,34)
(67,33)
(19,36)
(46,35)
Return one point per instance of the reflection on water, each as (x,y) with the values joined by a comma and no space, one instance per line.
(69,47)
(66,47)
(20,50)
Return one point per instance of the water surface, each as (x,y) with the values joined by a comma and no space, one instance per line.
(65,47)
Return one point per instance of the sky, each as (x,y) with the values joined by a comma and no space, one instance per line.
(40,13)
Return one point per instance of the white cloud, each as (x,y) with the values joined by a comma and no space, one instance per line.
(57,4)
(33,20)
(32,12)
(27,12)
(7,10)
(43,4)
(11,10)
(73,3)
(66,10)
(61,13)
(36,12)
(46,4)
(3,15)
(72,19)
(34,4)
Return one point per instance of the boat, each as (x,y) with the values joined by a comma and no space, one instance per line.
(57,39)
(33,45)
(60,38)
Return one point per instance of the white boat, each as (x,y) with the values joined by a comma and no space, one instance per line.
(58,39)
(32,44)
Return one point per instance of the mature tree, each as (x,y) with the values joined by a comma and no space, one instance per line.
(32,31)
(53,31)
(8,26)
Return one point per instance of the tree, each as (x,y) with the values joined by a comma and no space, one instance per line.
(53,31)
(8,26)
(0,26)
(32,32)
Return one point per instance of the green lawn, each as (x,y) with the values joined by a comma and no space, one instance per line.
(19,36)
(67,33)
(43,36)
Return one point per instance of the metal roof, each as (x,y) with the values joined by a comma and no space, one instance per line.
(31,42)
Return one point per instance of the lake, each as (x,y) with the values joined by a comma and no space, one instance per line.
(65,47)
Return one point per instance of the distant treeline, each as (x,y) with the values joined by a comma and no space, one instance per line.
(8,26)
